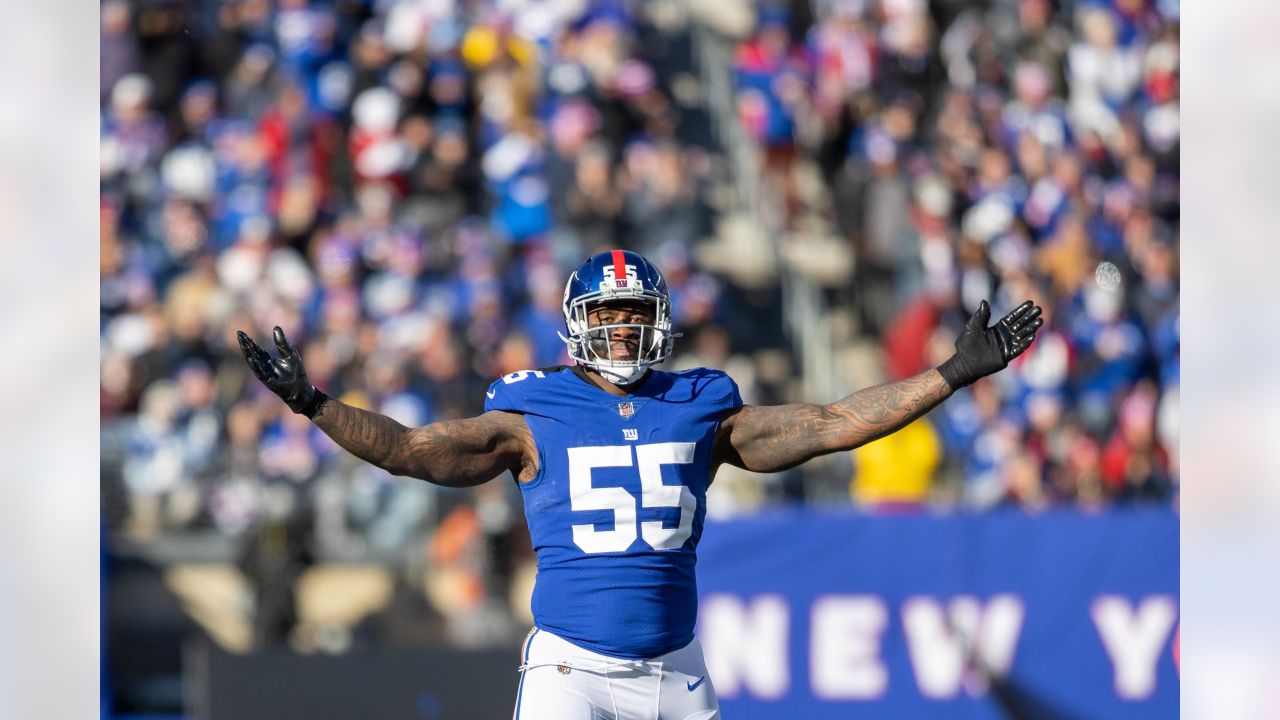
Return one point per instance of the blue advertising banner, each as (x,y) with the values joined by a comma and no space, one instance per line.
(1004,615)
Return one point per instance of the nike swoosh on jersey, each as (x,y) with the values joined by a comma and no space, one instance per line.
(693,686)
(490,394)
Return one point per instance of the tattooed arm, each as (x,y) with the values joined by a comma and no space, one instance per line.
(776,438)
(457,453)
(767,439)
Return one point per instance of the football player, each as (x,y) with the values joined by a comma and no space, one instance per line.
(613,459)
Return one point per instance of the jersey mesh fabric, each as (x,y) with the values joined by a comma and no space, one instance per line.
(638,601)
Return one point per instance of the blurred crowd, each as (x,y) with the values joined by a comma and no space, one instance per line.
(403,186)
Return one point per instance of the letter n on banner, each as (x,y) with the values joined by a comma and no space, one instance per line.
(745,644)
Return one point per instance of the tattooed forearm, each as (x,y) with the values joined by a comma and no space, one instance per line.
(775,438)
(877,411)
(455,452)
(369,436)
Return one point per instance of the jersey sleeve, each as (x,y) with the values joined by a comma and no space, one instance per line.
(498,398)
(714,389)
(509,393)
(725,391)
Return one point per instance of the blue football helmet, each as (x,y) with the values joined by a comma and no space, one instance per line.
(613,276)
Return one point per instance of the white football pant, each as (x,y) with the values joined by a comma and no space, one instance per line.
(561,681)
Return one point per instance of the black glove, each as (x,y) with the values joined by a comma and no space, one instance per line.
(283,376)
(982,350)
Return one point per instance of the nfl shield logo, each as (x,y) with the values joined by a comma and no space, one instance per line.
(626,409)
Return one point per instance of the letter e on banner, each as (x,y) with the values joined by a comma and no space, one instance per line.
(844,647)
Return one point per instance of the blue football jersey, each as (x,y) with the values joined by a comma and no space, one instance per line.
(616,509)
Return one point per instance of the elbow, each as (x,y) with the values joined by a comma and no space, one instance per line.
(457,481)
(835,431)
(400,467)
(417,472)
(410,473)
(449,480)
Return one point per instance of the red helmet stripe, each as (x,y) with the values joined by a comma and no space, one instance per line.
(619,265)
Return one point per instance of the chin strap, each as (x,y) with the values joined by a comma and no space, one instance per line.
(631,378)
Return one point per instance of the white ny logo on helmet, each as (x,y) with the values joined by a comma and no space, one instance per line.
(613,282)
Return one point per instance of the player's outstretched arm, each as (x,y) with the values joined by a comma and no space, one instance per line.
(777,437)
(456,453)
(766,439)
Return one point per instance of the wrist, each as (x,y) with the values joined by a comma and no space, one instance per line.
(309,402)
(954,373)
